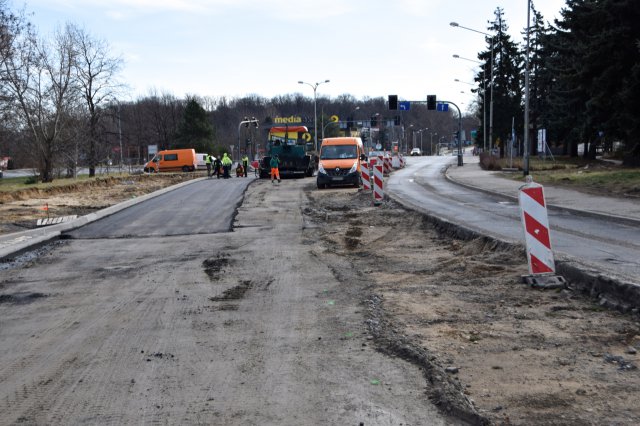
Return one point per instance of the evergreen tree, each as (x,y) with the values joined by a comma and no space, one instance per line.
(539,79)
(195,131)
(596,65)
(507,93)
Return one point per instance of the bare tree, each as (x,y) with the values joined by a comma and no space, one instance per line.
(38,77)
(95,72)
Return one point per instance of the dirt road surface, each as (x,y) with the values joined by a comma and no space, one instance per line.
(318,309)
(248,327)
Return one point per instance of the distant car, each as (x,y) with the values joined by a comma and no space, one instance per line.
(416,151)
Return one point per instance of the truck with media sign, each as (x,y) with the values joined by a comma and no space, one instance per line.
(295,149)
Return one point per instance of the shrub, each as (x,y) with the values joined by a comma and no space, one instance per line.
(489,162)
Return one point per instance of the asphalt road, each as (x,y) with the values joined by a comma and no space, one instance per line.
(604,244)
(204,207)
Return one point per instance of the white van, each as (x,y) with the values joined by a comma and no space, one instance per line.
(200,158)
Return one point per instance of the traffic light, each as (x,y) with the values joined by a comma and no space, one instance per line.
(374,121)
(431,102)
(396,120)
(393,102)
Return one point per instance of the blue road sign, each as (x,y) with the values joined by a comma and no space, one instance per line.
(404,105)
(442,107)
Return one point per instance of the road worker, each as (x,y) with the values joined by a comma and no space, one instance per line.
(226,165)
(207,161)
(245,164)
(274,164)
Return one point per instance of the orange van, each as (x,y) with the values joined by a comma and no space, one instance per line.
(173,160)
(340,162)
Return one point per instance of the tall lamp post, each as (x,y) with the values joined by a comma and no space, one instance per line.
(526,96)
(246,122)
(315,110)
(455,24)
(431,143)
(421,146)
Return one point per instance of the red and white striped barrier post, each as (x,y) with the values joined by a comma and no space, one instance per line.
(387,165)
(533,211)
(372,163)
(378,193)
(366,179)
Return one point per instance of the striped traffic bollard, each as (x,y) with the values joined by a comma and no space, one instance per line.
(378,193)
(533,210)
(372,164)
(387,165)
(366,179)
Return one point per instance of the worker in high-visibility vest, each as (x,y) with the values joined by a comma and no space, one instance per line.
(274,163)
(245,164)
(226,165)
(207,161)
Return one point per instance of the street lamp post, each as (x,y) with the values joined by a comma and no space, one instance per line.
(455,24)
(246,122)
(431,143)
(526,96)
(315,110)
(420,131)
(353,118)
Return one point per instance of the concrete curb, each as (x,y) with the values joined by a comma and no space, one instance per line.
(17,242)
(586,213)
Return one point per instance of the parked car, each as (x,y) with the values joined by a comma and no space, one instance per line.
(416,151)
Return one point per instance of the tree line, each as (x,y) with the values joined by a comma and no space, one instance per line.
(61,97)
(584,79)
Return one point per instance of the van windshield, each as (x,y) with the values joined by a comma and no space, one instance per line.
(333,152)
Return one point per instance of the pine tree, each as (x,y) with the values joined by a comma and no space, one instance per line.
(195,131)
(595,61)
(540,79)
(505,87)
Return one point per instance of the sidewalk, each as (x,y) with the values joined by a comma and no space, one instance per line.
(472,176)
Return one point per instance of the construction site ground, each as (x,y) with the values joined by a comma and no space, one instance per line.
(493,350)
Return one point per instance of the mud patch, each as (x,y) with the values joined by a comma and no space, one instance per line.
(354,232)
(21,298)
(214,267)
(234,293)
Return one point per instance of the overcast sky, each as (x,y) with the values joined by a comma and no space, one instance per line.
(367,48)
